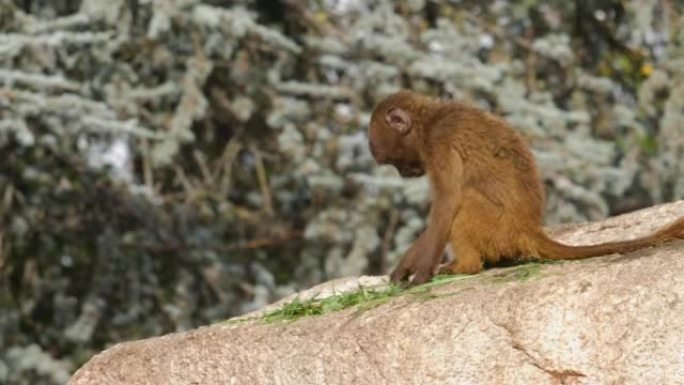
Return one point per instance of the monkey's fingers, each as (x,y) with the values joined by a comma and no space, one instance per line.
(421,276)
(399,273)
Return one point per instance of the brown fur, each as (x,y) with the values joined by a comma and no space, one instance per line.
(487,196)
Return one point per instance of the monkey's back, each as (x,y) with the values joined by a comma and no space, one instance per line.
(500,172)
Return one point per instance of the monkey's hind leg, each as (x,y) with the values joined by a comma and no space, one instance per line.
(467,259)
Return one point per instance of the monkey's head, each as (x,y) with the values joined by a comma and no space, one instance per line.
(393,136)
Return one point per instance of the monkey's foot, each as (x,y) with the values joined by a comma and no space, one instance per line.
(472,266)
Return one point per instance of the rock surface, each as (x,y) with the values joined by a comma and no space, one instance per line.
(610,320)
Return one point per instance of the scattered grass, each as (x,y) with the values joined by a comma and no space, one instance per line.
(440,279)
(523,272)
(368,297)
(364,299)
(526,272)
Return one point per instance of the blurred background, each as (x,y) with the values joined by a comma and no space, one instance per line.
(166,164)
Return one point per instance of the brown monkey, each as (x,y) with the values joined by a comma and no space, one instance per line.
(487,198)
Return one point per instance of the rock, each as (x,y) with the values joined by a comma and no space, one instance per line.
(617,319)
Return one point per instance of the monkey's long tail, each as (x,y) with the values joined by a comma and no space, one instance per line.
(550,249)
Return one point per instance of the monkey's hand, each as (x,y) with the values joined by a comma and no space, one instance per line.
(417,263)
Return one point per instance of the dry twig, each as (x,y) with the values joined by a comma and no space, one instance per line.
(266,193)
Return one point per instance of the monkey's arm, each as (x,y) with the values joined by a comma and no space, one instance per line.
(446,178)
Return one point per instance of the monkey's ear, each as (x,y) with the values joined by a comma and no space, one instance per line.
(399,120)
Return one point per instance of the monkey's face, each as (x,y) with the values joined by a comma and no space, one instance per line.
(391,142)
(411,170)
